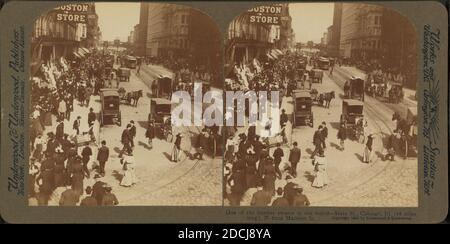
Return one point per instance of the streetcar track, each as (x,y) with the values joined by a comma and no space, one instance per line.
(197,162)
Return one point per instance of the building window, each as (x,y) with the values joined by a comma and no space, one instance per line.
(183,19)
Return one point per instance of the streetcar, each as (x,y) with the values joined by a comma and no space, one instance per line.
(323,63)
(303,108)
(129,62)
(352,118)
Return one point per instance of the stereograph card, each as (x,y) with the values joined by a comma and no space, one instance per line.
(224,112)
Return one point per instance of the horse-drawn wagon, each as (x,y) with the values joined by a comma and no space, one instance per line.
(352,118)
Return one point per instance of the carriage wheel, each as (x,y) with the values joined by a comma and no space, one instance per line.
(101,119)
(311,122)
(120,119)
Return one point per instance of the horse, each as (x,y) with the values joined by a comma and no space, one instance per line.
(326,97)
(134,95)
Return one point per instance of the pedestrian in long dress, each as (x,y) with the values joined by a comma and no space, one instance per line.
(320,168)
(129,176)
(368,149)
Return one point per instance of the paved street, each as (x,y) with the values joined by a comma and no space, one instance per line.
(161,182)
(352,182)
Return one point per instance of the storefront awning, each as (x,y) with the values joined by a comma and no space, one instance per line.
(76,54)
(85,50)
(270,56)
(278,51)
(81,54)
(81,51)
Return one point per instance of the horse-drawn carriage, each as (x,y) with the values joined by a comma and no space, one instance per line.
(375,86)
(302,108)
(131,98)
(322,99)
(396,93)
(316,75)
(160,112)
(354,89)
(352,118)
(123,74)
(110,107)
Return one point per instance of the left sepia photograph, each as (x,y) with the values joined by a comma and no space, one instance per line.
(102,77)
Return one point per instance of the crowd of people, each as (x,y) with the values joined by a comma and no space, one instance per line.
(57,161)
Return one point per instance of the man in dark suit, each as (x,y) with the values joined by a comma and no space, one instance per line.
(132,133)
(109,199)
(280,201)
(91,117)
(261,198)
(86,154)
(277,155)
(324,134)
(89,200)
(102,157)
(76,124)
(300,200)
(294,157)
(125,141)
(69,198)
(98,190)
(317,141)
(60,131)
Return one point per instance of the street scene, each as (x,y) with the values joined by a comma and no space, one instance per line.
(100,131)
(346,75)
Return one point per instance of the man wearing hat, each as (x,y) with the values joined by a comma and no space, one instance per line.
(317,141)
(102,157)
(76,124)
(261,198)
(132,133)
(177,148)
(69,198)
(98,189)
(60,130)
(300,200)
(88,200)
(125,140)
(109,199)
(91,117)
(280,201)
(294,157)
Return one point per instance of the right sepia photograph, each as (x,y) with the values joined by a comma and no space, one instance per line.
(343,133)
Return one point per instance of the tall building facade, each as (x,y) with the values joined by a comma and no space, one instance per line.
(179,32)
(361,31)
(334,36)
